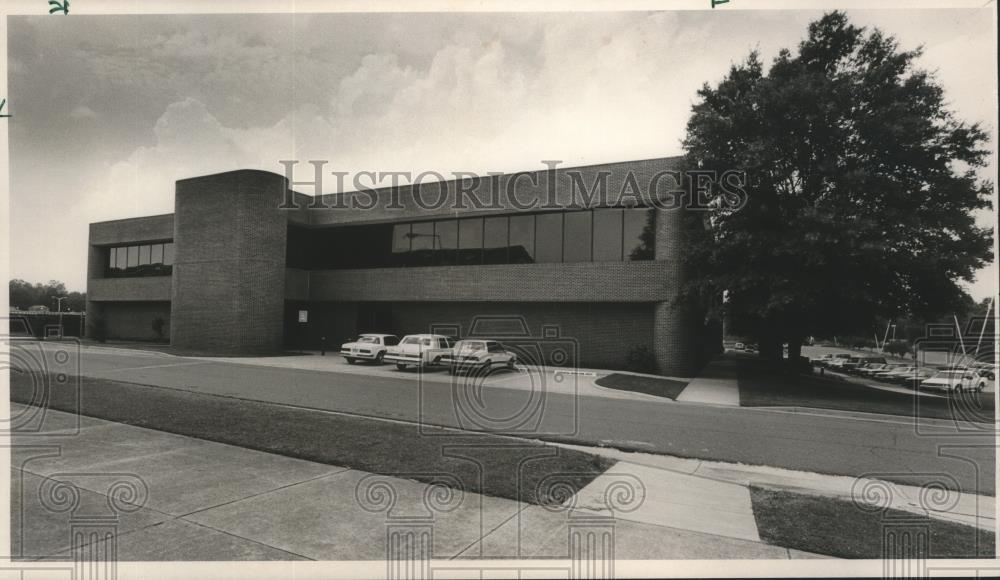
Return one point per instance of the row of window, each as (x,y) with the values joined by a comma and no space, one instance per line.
(600,235)
(603,235)
(141,260)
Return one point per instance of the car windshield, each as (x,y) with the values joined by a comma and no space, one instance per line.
(368,339)
(948,374)
(411,340)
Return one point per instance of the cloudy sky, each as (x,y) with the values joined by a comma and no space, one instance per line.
(111,110)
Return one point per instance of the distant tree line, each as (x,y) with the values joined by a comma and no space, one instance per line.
(24,295)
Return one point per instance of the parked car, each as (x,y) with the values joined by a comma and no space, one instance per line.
(827,359)
(855,363)
(947,380)
(369,346)
(419,350)
(838,362)
(822,361)
(739,346)
(868,370)
(977,378)
(917,376)
(480,355)
(891,372)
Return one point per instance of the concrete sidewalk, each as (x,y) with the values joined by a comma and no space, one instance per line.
(715,385)
(171,497)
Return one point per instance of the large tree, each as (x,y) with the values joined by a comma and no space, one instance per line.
(24,294)
(861,187)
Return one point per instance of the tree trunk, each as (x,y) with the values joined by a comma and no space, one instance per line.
(794,352)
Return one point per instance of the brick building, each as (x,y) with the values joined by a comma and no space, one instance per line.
(243,256)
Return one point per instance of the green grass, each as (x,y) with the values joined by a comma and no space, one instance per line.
(488,464)
(838,527)
(648,385)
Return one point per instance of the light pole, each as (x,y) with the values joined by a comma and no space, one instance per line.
(59,300)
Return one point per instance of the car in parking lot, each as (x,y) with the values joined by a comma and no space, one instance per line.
(978,378)
(368,346)
(827,359)
(869,370)
(419,350)
(948,380)
(855,363)
(478,355)
(918,375)
(838,362)
(892,372)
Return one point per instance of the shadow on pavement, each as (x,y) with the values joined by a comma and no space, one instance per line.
(762,386)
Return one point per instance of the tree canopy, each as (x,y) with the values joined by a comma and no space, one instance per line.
(24,295)
(861,187)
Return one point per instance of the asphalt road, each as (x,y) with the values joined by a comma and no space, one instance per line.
(891,448)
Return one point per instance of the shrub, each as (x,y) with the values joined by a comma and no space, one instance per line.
(158,324)
(640,359)
(897,347)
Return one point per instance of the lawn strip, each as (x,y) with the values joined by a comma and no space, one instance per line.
(638,384)
(488,464)
(838,527)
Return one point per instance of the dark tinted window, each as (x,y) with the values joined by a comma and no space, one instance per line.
(446,233)
(522,239)
(639,234)
(576,236)
(470,241)
(400,244)
(495,240)
(548,237)
(607,235)
(422,244)
(600,235)
(138,260)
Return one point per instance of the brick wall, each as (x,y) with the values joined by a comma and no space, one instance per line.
(229,271)
(601,333)
(578,282)
(134,320)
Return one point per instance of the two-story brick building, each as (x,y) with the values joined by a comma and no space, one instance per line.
(243,256)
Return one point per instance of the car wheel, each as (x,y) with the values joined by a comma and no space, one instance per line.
(510,364)
(400,366)
(350,360)
(378,357)
(980,387)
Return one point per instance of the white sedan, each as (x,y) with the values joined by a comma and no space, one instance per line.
(480,355)
(370,347)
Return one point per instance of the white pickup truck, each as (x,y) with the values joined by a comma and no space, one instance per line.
(419,350)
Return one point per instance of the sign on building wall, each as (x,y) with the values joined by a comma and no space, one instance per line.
(303,316)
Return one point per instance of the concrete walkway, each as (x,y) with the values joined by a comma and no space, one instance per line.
(169,497)
(716,385)
(964,508)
